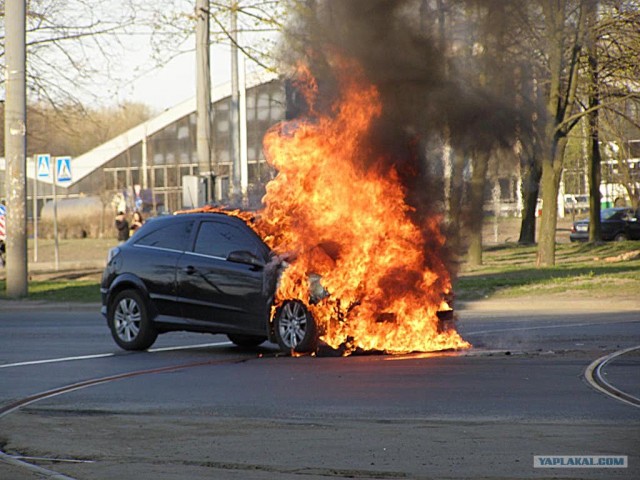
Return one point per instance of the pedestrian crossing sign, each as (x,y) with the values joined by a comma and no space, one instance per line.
(63,169)
(44,165)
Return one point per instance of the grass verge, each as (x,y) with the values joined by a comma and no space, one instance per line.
(61,290)
(608,271)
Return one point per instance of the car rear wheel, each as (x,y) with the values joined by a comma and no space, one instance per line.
(129,321)
(295,328)
(621,237)
(247,341)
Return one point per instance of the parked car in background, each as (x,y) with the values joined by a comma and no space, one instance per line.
(621,223)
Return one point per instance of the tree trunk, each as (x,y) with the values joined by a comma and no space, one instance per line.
(455,201)
(551,175)
(480,162)
(595,227)
(530,190)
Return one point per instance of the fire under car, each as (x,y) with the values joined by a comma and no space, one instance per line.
(209,273)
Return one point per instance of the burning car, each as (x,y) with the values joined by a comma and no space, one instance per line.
(206,272)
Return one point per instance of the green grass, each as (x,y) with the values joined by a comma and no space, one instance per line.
(61,290)
(508,270)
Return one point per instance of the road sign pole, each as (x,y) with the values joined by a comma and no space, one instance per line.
(55,218)
(35,210)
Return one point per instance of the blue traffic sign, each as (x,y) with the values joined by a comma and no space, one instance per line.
(44,165)
(3,210)
(63,169)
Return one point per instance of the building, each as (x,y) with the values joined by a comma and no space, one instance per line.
(144,167)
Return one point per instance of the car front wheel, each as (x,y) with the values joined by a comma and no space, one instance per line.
(129,321)
(295,328)
(621,237)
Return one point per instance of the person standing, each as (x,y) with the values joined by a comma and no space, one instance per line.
(122,225)
(136,222)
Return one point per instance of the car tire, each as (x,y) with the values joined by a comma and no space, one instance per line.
(621,237)
(129,321)
(295,328)
(246,341)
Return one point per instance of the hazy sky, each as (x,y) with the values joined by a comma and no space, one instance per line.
(167,86)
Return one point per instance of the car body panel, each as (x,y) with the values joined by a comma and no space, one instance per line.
(223,293)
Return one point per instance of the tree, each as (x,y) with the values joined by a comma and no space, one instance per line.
(564,34)
(72,44)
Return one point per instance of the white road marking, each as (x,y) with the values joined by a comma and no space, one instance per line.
(105,355)
(543,327)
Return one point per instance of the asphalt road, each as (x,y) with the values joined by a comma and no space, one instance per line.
(215,411)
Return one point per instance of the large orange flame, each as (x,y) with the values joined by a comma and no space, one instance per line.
(352,226)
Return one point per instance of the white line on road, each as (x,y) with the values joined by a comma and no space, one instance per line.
(105,355)
(543,327)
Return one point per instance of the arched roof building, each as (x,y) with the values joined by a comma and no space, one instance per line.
(149,161)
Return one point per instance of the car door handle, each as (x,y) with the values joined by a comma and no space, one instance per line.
(189,269)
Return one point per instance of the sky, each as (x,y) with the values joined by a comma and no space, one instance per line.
(175,82)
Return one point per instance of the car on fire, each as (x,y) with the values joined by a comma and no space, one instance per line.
(210,273)
(199,272)
(618,224)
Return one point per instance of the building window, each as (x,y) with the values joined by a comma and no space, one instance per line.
(172,180)
(158,178)
(251,107)
(109,180)
(223,126)
(183,132)
(121,179)
(263,106)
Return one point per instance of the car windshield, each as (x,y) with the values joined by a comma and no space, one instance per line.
(608,213)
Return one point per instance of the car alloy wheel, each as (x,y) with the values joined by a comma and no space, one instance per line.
(295,328)
(130,325)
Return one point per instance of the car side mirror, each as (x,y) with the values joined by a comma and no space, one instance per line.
(245,257)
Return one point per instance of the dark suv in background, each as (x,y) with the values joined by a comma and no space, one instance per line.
(200,272)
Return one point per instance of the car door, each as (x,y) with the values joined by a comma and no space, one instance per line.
(224,295)
(633,224)
(157,251)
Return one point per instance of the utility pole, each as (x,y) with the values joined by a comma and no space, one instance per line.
(203,97)
(242,110)
(235,106)
(15,130)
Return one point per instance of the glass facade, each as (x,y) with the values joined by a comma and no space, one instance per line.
(171,153)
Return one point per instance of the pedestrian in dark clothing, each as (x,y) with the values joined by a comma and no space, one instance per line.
(122,225)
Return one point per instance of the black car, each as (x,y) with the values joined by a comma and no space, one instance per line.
(618,224)
(200,272)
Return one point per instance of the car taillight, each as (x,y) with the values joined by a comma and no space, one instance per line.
(112,253)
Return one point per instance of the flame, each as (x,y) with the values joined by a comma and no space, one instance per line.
(341,213)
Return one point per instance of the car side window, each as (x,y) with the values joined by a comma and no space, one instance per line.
(218,239)
(174,236)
